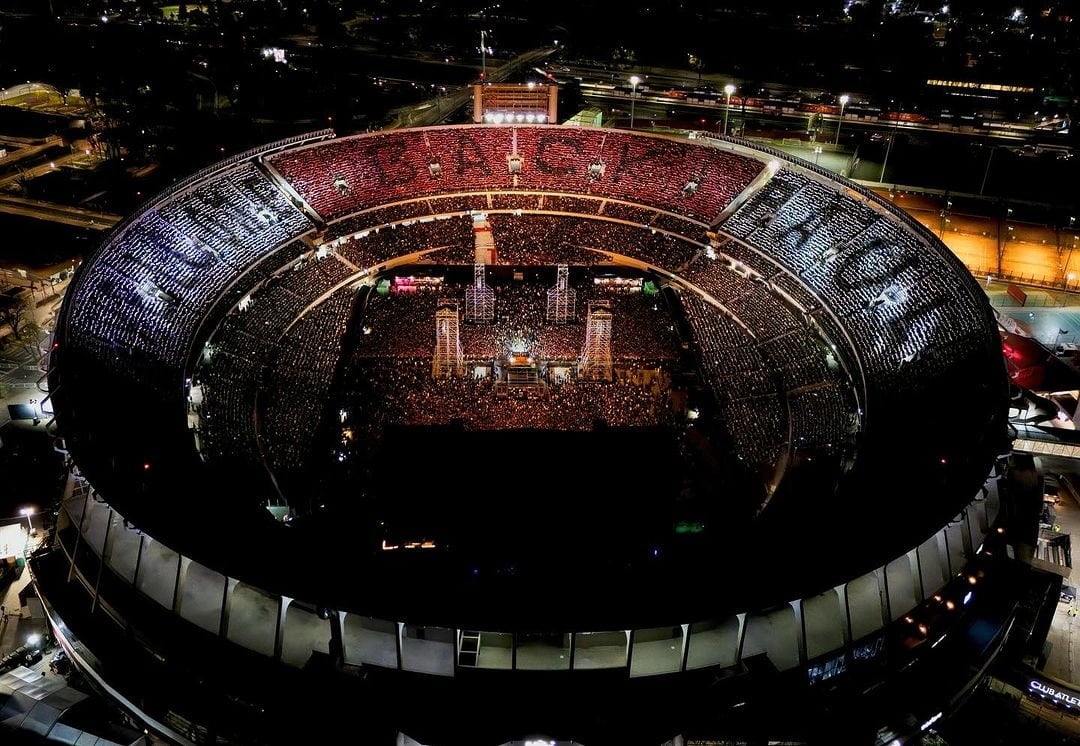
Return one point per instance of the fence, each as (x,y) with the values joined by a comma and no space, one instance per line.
(1031,280)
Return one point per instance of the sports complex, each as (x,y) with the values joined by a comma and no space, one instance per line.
(484,433)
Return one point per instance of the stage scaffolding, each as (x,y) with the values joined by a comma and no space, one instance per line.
(448,360)
(596,354)
(479,298)
(562,299)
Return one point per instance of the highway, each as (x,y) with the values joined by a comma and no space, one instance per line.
(73,216)
(604,85)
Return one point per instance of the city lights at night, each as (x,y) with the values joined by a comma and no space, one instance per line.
(539,374)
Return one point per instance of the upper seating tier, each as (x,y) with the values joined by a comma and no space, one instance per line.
(339,177)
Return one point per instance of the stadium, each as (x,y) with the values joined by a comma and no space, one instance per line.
(440,420)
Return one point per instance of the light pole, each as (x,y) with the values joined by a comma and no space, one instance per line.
(27,512)
(986,173)
(728,90)
(634,80)
(483,57)
(944,216)
(888,149)
(29,526)
(843,102)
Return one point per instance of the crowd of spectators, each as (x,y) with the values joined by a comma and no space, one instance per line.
(246,346)
(752,366)
(821,416)
(758,426)
(408,395)
(227,415)
(293,392)
(368,247)
(342,176)
(520,239)
(768,378)
(895,294)
(156,279)
(402,325)
(551,239)
(806,264)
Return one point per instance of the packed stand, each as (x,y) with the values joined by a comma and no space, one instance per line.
(820,417)
(338,177)
(366,247)
(154,282)
(242,351)
(895,295)
(402,392)
(301,370)
(726,351)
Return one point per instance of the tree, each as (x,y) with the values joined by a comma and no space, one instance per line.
(17,312)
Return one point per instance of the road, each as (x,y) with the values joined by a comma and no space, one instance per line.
(39,170)
(57,213)
(595,82)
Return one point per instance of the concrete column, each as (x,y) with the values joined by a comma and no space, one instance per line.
(226,603)
(78,538)
(341,626)
(101,561)
(845,628)
(742,636)
(800,624)
(279,633)
(138,561)
(685,646)
(336,646)
(397,641)
(965,533)
(917,569)
(181,579)
(883,584)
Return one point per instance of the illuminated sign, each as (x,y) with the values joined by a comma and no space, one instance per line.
(980,86)
(277,54)
(1045,690)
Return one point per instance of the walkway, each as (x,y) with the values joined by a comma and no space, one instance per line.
(17,625)
(77,217)
(1064,660)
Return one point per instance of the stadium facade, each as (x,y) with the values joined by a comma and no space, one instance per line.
(814,507)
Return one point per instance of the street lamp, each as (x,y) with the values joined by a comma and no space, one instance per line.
(634,80)
(986,173)
(728,90)
(888,150)
(843,102)
(29,526)
(483,57)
